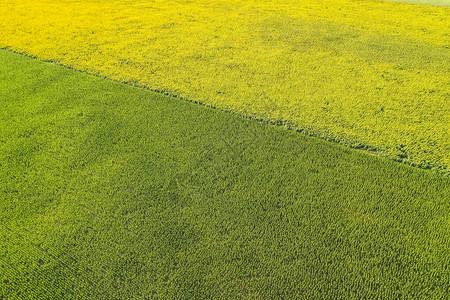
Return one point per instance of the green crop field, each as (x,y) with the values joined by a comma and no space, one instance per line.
(114,192)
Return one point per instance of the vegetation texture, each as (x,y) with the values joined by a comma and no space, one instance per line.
(370,74)
(115,192)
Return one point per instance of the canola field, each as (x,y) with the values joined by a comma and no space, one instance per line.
(369,74)
(110,191)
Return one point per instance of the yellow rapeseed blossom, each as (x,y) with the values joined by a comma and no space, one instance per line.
(367,73)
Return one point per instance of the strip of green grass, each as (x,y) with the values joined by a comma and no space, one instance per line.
(426,2)
(110,191)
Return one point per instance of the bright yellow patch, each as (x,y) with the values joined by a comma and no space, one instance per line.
(362,72)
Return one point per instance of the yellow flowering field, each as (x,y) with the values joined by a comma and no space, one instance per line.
(369,74)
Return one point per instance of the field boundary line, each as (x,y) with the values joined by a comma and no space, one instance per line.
(289,125)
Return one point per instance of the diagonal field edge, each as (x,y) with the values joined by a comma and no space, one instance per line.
(377,44)
(309,131)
